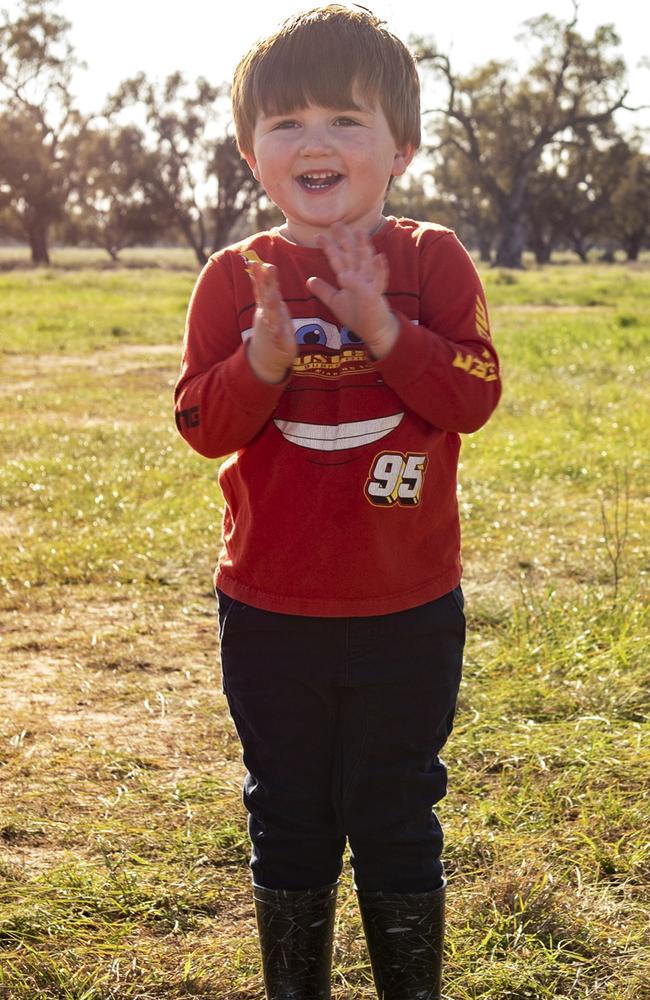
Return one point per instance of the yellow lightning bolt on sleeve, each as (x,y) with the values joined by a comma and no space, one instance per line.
(482,325)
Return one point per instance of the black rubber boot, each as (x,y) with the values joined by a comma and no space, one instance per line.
(296,937)
(404,933)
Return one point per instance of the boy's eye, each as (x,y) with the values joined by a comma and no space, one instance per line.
(346,121)
(288,123)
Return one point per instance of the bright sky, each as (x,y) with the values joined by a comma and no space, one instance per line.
(201,38)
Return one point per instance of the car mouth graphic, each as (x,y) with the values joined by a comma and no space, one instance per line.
(337,437)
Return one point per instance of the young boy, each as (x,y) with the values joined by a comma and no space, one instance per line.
(338,357)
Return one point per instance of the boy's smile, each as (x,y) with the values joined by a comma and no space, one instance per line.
(319,181)
(325,165)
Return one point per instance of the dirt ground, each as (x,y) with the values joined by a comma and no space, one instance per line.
(119,676)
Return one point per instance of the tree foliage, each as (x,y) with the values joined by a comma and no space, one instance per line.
(516,158)
(116,201)
(38,121)
(498,122)
(586,195)
(201,181)
(630,204)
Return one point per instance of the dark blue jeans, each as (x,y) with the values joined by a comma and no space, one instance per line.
(341,722)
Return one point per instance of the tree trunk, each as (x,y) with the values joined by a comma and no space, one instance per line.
(485,248)
(512,224)
(512,230)
(512,240)
(185,225)
(179,214)
(541,247)
(37,235)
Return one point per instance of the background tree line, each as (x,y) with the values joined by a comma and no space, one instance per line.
(512,160)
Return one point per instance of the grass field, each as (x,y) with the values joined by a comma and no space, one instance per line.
(123,845)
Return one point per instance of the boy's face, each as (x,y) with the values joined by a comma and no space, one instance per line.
(323,165)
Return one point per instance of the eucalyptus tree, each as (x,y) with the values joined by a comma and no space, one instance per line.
(39,123)
(498,120)
(116,200)
(202,184)
(631,204)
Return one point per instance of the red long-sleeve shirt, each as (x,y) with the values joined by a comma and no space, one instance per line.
(340,497)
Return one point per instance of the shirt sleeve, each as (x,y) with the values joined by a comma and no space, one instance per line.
(219,402)
(445,367)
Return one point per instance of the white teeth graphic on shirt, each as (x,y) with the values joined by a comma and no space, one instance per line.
(336,437)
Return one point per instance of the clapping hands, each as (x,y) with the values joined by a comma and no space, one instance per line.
(273,344)
(358,302)
(362,275)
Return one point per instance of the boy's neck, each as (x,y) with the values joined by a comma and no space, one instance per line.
(308,239)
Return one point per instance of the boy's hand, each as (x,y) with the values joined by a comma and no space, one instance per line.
(272,347)
(362,275)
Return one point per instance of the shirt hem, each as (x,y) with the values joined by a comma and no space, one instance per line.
(323,607)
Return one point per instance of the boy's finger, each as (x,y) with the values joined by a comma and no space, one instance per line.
(358,250)
(265,287)
(365,253)
(385,268)
(363,246)
(345,238)
(338,255)
(322,290)
(344,235)
(263,275)
(356,244)
(258,281)
(325,243)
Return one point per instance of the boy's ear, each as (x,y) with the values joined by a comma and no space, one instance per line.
(252,163)
(402,159)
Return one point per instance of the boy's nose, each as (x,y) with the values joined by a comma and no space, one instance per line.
(315,143)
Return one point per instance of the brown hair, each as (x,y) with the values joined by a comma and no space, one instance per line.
(318,57)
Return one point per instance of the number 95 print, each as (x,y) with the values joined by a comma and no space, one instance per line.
(395,478)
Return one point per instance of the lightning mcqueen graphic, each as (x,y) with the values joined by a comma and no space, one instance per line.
(304,415)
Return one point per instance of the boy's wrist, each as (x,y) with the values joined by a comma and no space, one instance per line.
(383,341)
(271,374)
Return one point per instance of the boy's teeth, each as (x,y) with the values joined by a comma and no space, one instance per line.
(321,178)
